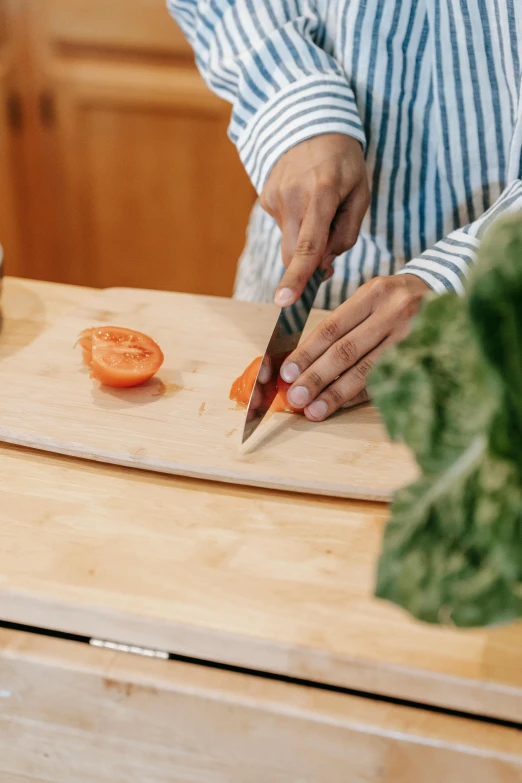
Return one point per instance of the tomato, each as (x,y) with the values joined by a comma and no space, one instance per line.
(120,357)
(281,401)
(242,388)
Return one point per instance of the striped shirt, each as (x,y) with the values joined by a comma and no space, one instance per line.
(431,88)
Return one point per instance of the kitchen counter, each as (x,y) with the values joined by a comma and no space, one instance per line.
(282,667)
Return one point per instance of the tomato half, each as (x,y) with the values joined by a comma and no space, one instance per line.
(120,357)
(242,388)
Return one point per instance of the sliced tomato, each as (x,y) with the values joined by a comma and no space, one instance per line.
(281,401)
(85,341)
(242,388)
(120,357)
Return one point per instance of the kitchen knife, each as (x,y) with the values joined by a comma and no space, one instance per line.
(285,339)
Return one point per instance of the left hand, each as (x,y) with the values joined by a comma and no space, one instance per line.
(329,369)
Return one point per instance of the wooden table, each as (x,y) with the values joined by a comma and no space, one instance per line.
(260,654)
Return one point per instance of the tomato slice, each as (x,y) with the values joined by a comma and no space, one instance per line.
(120,357)
(242,387)
(281,401)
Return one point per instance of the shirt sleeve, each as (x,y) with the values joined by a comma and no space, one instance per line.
(446,266)
(265,59)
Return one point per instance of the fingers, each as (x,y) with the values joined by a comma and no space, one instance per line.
(359,399)
(347,223)
(289,236)
(346,352)
(325,233)
(309,250)
(348,390)
(303,193)
(265,371)
(257,398)
(333,328)
(329,273)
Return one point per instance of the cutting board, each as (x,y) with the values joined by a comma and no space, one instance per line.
(182,422)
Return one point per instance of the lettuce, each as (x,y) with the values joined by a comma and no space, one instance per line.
(452,391)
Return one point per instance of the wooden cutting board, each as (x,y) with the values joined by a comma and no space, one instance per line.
(182,422)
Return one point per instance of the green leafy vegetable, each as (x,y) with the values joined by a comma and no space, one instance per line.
(452,391)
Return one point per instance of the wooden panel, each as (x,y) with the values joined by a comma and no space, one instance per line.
(10,119)
(186,424)
(3,24)
(70,712)
(262,580)
(37,156)
(119,24)
(157,194)
(29,308)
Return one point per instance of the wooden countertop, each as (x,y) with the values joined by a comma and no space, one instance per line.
(263,580)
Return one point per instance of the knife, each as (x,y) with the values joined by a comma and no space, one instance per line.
(285,339)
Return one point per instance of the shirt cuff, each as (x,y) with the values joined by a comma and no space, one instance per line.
(447,265)
(319,104)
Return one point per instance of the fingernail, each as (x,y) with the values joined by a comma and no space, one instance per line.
(264,374)
(290,372)
(318,409)
(284,297)
(299,396)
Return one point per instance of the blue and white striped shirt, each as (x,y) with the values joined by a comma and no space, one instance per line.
(431,88)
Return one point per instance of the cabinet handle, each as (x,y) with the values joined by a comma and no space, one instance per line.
(47,112)
(14,112)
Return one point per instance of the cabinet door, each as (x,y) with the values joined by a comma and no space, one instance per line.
(73,713)
(10,123)
(156,196)
(139,26)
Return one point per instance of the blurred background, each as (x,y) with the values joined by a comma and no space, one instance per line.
(115,167)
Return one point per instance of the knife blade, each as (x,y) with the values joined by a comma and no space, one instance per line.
(285,339)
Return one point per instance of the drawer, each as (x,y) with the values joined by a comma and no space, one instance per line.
(73,713)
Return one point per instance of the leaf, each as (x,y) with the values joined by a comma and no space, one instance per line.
(452,547)
(495,307)
(452,391)
(433,379)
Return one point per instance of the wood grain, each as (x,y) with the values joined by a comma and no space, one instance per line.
(124,172)
(150,176)
(269,581)
(35,158)
(71,712)
(265,580)
(9,179)
(142,25)
(29,308)
(183,422)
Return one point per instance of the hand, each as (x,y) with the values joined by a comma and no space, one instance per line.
(318,194)
(328,371)
(267,378)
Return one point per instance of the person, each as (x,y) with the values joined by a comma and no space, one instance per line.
(383,137)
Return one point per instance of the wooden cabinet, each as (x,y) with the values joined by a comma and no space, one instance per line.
(74,712)
(9,127)
(128,175)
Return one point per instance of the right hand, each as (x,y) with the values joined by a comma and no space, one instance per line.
(318,194)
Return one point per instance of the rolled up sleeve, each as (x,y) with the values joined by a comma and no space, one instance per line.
(265,60)
(446,266)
